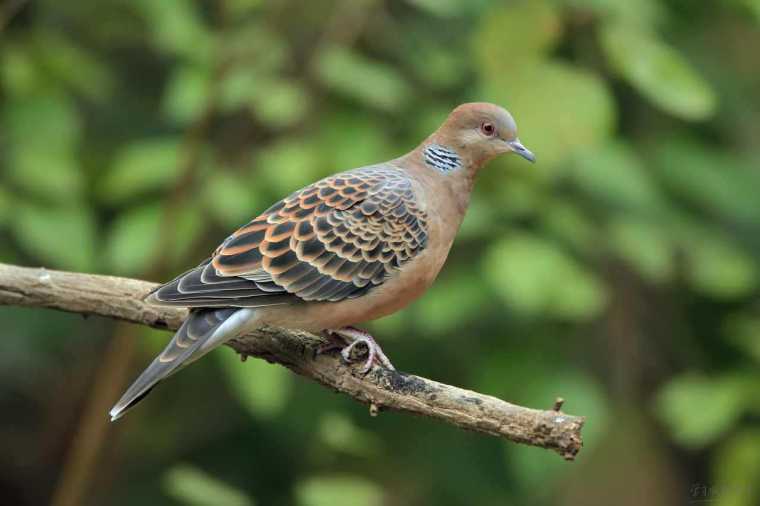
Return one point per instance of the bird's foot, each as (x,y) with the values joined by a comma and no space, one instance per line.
(347,338)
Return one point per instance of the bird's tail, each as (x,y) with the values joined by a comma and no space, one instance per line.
(203,331)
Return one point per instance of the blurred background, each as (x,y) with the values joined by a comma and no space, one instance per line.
(620,272)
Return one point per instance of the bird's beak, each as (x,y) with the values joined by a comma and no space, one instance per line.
(521,150)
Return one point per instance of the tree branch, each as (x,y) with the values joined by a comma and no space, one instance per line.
(121,298)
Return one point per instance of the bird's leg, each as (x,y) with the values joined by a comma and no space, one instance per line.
(350,337)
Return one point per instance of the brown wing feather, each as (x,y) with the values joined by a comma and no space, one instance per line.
(335,239)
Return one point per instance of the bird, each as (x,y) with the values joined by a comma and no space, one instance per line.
(350,248)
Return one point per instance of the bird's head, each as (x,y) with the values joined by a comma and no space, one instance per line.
(479,132)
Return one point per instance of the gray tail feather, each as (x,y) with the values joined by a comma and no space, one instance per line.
(202,331)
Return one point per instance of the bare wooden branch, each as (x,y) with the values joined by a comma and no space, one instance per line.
(121,298)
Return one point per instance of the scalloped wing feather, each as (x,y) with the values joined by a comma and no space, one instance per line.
(335,239)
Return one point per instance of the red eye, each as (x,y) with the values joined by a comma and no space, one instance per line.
(488,129)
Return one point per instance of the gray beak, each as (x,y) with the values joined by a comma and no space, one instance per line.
(521,150)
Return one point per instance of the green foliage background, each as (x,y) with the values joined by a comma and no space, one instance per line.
(621,271)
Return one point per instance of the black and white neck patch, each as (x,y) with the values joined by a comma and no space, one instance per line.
(441,158)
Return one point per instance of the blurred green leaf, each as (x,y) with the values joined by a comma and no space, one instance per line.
(257,46)
(735,470)
(447,8)
(60,55)
(644,13)
(539,279)
(614,175)
(280,103)
(185,233)
(753,6)
(451,303)
(367,142)
(193,487)
(144,165)
(644,246)
(680,405)
(229,199)
(339,433)
(262,388)
(42,134)
(133,240)
(286,166)
(65,237)
(276,102)
(46,122)
(658,71)
(440,68)
(520,198)
(178,28)
(54,176)
(505,42)
(338,490)
(719,267)
(186,94)
(569,223)
(478,221)
(238,86)
(369,82)
(20,75)
(714,179)
(239,8)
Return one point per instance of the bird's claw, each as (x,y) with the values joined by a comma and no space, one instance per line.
(352,337)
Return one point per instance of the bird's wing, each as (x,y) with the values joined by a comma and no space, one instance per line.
(335,239)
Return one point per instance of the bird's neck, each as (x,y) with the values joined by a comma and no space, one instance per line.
(443,157)
(470,160)
(444,173)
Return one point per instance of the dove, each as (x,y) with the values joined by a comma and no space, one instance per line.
(350,248)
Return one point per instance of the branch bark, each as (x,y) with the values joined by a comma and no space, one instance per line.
(121,298)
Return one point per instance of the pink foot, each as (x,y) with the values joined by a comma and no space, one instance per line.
(346,340)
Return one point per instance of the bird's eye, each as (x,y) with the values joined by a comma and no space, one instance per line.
(488,129)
